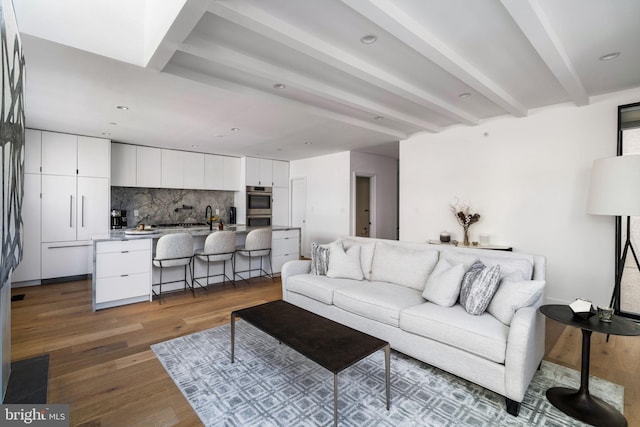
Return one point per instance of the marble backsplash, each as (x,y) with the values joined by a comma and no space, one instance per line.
(158,205)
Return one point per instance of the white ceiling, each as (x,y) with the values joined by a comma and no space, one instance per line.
(190,70)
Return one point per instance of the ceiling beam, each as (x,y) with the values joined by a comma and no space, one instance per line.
(535,25)
(389,16)
(209,80)
(187,19)
(273,28)
(218,54)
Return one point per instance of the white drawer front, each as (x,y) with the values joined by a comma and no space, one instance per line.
(123,245)
(117,288)
(119,263)
(286,247)
(278,261)
(284,234)
(61,260)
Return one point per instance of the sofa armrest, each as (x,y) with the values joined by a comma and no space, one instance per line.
(291,268)
(525,349)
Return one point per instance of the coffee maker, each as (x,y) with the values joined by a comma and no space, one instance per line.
(118,219)
(232,215)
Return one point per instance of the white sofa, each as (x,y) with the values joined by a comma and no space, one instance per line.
(500,355)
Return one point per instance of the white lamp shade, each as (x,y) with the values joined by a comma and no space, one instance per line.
(615,186)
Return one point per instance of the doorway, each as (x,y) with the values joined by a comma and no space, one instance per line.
(299,212)
(364,215)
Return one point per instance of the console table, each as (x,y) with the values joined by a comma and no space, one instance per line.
(579,404)
(460,245)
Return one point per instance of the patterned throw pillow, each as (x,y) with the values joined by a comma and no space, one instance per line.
(319,259)
(479,285)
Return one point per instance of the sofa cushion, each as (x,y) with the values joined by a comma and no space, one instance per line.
(319,288)
(319,259)
(366,255)
(408,267)
(512,295)
(344,264)
(482,335)
(443,285)
(377,300)
(512,267)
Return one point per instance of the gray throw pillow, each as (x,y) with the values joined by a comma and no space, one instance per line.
(479,285)
(319,259)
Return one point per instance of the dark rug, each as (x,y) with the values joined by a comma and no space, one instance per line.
(28,381)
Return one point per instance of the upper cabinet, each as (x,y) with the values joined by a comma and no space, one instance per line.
(231,167)
(123,165)
(33,151)
(267,173)
(148,167)
(71,155)
(172,169)
(192,170)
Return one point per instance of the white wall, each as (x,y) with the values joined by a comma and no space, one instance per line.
(328,196)
(385,171)
(528,178)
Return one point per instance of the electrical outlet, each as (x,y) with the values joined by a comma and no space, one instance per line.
(135,212)
(217,211)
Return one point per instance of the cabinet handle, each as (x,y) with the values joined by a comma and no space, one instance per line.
(70,210)
(124,252)
(124,275)
(82,211)
(67,246)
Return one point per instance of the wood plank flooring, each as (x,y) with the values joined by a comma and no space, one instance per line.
(102,366)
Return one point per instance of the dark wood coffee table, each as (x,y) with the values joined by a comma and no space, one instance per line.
(580,404)
(325,342)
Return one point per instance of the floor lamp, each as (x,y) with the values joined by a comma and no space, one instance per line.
(615,190)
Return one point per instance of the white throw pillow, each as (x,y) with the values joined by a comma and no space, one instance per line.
(366,255)
(344,265)
(403,266)
(512,295)
(443,285)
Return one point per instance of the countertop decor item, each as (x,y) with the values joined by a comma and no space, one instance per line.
(582,308)
(462,212)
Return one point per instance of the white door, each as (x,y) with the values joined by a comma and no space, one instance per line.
(93,207)
(59,208)
(59,153)
(299,212)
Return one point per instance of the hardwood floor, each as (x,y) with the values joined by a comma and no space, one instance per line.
(102,366)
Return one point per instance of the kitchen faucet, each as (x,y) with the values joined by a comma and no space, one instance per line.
(208,213)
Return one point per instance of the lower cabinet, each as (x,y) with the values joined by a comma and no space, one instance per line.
(63,259)
(122,273)
(285,246)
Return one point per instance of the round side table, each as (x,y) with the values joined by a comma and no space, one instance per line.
(579,404)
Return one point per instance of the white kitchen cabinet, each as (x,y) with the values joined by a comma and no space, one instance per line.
(122,272)
(29,267)
(280,206)
(148,167)
(32,151)
(285,246)
(213,172)
(59,199)
(92,207)
(59,154)
(94,157)
(192,170)
(259,172)
(231,167)
(172,169)
(64,259)
(123,165)
(280,173)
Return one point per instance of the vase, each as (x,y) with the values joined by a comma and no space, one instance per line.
(466,236)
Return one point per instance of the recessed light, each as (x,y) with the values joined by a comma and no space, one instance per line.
(307,143)
(106,133)
(122,107)
(464,95)
(113,123)
(368,39)
(279,86)
(609,56)
(378,118)
(235,129)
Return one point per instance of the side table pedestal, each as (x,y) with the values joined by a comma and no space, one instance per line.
(580,405)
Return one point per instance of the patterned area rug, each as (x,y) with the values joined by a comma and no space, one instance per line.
(272,385)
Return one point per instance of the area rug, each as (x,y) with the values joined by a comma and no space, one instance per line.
(272,385)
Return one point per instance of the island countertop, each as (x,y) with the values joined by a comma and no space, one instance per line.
(194,231)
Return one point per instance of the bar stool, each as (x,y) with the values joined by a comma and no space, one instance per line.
(218,247)
(174,250)
(258,244)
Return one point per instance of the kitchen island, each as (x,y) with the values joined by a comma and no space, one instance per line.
(122,262)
